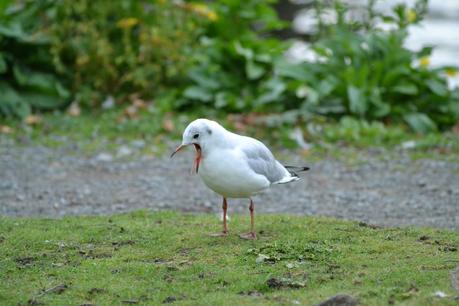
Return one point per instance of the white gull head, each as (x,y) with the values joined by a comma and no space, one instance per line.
(205,133)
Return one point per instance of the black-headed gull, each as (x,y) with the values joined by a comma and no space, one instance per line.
(234,166)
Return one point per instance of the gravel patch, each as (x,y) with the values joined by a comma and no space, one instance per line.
(395,191)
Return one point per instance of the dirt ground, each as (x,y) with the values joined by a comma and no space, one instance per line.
(380,189)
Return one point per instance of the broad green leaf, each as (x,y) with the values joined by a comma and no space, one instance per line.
(197,93)
(437,87)
(254,70)
(327,85)
(200,77)
(394,74)
(420,123)
(406,89)
(2,63)
(264,58)
(381,109)
(41,100)
(13,30)
(221,100)
(62,91)
(294,71)
(39,82)
(274,89)
(245,52)
(11,103)
(357,101)
(425,51)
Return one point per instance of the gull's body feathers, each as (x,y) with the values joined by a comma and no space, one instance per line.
(238,166)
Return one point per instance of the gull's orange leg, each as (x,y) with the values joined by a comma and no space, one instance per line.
(250,235)
(225,228)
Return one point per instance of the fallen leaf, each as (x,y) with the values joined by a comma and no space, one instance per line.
(4,129)
(168,125)
(455,128)
(74,110)
(131,112)
(139,103)
(33,120)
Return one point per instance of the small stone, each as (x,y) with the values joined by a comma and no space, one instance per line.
(170,299)
(440,294)
(108,103)
(341,300)
(411,144)
(124,151)
(138,143)
(104,157)
(261,258)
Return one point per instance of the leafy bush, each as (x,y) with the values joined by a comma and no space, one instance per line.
(27,78)
(123,47)
(97,48)
(360,71)
(235,70)
(218,55)
(371,75)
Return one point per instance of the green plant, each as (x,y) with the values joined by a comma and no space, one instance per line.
(235,71)
(27,78)
(369,74)
(123,47)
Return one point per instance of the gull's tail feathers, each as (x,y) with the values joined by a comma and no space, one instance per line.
(294,170)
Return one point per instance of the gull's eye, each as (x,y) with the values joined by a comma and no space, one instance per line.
(195,136)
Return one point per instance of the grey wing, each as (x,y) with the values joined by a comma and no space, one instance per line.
(262,161)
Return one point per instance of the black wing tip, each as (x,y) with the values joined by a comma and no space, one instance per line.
(297,168)
(294,169)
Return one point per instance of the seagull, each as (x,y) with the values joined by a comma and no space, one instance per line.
(234,166)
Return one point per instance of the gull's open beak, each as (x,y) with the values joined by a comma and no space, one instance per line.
(178,149)
(197,159)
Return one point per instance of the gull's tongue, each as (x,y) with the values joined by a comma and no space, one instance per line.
(197,159)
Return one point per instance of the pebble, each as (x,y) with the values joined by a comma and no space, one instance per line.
(123,151)
(138,143)
(104,157)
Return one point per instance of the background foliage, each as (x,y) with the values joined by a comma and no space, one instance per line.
(218,55)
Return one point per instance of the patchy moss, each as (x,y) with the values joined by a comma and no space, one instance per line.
(153,258)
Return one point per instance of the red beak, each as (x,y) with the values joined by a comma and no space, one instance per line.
(197,159)
(178,149)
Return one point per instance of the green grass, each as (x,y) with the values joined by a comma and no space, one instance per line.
(344,140)
(151,258)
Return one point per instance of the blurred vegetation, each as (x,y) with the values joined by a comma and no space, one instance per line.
(217,57)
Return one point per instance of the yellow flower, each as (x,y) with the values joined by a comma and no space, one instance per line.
(411,16)
(127,23)
(424,61)
(451,72)
(202,9)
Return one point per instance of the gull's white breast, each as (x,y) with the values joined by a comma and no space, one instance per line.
(226,172)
